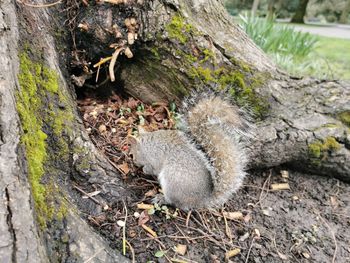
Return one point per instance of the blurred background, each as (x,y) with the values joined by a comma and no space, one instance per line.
(304,37)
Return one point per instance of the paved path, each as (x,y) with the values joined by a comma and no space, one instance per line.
(338,31)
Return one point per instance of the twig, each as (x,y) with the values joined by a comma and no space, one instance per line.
(131,250)
(102,61)
(227,229)
(85,193)
(124,229)
(250,248)
(40,5)
(333,236)
(262,191)
(182,233)
(93,256)
(188,217)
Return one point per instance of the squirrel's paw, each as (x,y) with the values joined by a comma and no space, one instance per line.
(159,199)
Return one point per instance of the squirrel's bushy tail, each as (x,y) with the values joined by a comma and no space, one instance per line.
(220,129)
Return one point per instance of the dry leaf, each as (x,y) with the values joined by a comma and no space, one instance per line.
(181,249)
(151,192)
(102,128)
(144,218)
(233,215)
(124,167)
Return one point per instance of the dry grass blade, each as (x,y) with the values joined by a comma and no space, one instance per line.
(41,5)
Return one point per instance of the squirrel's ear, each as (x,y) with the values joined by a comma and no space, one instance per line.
(141,130)
(132,139)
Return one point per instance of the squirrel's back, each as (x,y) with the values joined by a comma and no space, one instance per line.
(218,127)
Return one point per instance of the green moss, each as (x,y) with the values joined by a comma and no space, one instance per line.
(319,148)
(208,55)
(344,117)
(178,29)
(36,82)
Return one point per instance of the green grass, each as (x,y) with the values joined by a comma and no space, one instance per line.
(300,54)
(336,53)
(330,59)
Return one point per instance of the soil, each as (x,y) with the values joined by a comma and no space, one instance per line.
(309,222)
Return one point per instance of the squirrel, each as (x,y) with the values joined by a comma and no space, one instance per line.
(202,165)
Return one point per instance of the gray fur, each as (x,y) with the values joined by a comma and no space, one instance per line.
(189,178)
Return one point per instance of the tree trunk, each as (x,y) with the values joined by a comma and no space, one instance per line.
(255,7)
(300,12)
(345,14)
(44,148)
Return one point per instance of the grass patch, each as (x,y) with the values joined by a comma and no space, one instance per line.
(300,54)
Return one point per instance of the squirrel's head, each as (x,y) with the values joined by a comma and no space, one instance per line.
(136,147)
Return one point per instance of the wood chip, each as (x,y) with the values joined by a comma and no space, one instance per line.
(144,206)
(278,187)
(232,253)
(285,174)
(233,215)
(149,230)
(181,249)
(306,255)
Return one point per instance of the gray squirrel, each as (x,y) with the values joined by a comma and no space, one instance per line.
(203,165)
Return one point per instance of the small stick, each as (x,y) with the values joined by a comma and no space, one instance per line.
(98,73)
(124,229)
(227,229)
(102,61)
(250,248)
(333,236)
(188,217)
(149,230)
(85,193)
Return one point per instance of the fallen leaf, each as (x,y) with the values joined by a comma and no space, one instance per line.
(102,128)
(159,254)
(151,192)
(233,215)
(124,167)
(181,249)
(143,218)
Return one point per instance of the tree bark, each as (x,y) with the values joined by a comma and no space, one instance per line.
(255,7)
(300,12)
(345,14)
(181,45)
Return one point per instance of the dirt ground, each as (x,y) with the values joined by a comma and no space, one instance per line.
(310,222)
